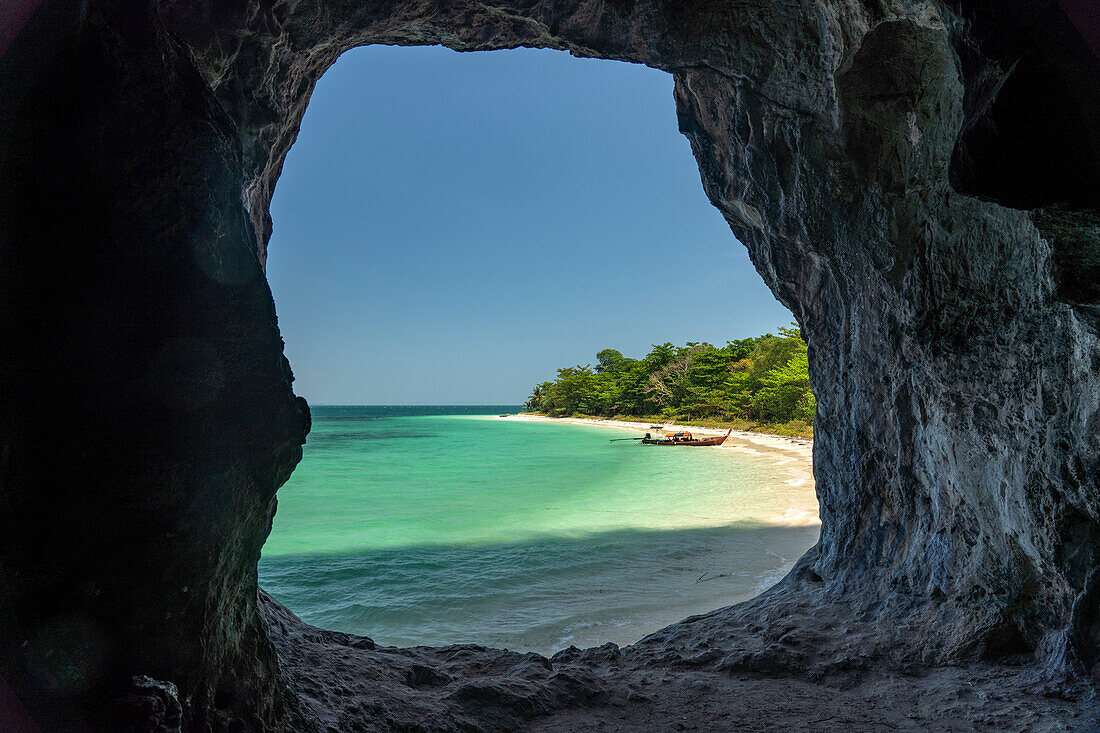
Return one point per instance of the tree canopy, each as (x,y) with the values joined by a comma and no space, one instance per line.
(764,379)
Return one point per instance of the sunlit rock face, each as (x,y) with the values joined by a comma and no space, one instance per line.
(889,166)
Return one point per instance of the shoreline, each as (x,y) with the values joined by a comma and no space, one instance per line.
(766,442)
(793,455)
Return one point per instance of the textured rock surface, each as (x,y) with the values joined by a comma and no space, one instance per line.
(888,164)
(347,683)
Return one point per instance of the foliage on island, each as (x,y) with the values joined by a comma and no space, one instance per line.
(759,383)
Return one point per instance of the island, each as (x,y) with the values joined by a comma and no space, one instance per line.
(756,384)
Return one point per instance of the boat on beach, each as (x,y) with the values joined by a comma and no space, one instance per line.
(685,439)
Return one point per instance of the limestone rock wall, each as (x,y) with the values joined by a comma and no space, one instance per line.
(855,147)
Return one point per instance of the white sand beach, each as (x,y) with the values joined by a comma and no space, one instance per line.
(795,455)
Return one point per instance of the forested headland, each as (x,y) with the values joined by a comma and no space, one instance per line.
(760,383)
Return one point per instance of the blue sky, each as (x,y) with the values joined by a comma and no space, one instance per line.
(452,228)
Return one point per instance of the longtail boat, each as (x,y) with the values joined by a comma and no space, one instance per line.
(685,439)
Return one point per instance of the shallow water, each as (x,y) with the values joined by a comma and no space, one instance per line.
(437,529)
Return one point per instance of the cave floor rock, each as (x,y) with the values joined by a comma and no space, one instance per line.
(347,683)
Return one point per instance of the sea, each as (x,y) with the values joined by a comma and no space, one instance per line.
(444,525)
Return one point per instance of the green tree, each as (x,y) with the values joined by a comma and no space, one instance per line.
(785,394)
(764,378)
(534,402)
(573,390)
(609,361)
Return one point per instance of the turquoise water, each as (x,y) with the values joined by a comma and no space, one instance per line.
(420,528)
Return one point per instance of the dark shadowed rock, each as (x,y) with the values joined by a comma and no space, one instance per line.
(917,181)
(149,705)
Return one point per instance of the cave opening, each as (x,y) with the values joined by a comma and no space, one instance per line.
(149,417)
(447,230)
